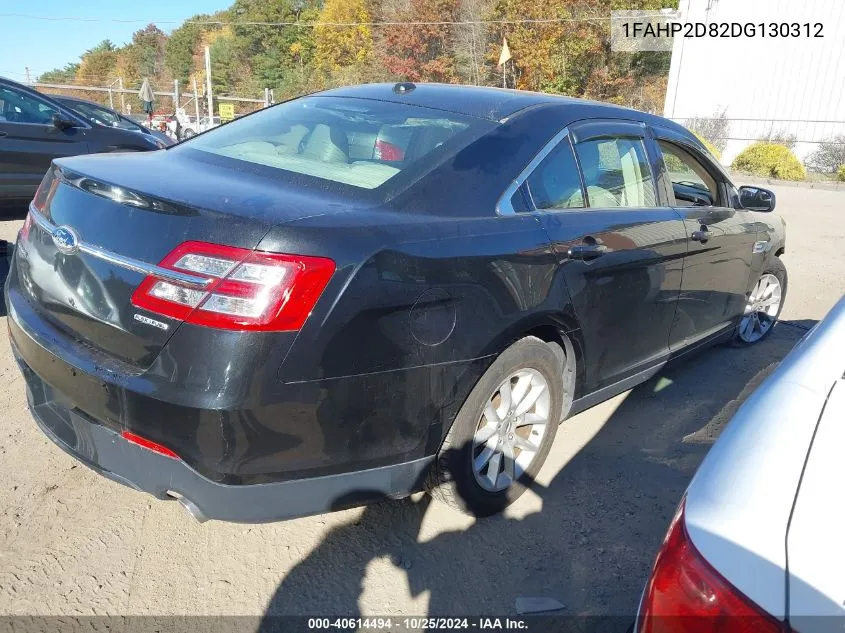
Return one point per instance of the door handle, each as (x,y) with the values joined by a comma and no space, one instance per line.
(701,235)
(586,251)
(2,134)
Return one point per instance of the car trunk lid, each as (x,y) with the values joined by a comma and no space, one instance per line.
(123,229)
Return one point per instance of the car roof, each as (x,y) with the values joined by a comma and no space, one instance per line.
(19,86)
(78,100)
(49,98)
(62,99)
(485,102)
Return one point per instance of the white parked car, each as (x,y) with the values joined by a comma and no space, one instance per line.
(191,126)
(758,532)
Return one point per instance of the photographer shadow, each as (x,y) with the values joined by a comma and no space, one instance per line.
(605,504)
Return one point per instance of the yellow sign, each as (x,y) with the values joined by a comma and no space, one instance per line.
(227,111)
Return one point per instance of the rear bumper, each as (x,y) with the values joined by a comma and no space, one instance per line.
(105,451)
(216,401)
(261,457)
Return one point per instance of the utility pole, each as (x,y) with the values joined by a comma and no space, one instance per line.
(196,105)
(175,95)
(28,78)
(122,97)
(208,84)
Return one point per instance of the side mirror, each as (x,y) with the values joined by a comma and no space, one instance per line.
(757,199)
(61,123)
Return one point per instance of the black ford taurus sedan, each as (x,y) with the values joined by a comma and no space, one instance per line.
(362,292)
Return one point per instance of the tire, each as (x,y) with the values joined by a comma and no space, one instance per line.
(187,133)
(760,319)
(453,479)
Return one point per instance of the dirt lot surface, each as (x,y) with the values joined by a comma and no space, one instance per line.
(72,542)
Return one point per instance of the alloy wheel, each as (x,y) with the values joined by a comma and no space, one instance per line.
(511,430)
(762,309)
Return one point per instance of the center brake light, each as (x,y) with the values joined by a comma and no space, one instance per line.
(685,594)
(248,290)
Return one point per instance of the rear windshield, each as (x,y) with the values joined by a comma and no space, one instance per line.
(358,142)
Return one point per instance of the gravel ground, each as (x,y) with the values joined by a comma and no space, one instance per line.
(72,542)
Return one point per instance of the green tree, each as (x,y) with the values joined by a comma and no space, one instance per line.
(269,47)
(179,50)
(98,64)
(64,75)
(224,67)
(147,51)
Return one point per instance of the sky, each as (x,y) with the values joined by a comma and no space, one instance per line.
(46,44)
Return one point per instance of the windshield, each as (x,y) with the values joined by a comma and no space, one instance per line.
(102,116)
(358,142)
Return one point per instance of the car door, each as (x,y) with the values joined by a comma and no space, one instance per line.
(717,268)
(29,141)
(620,250)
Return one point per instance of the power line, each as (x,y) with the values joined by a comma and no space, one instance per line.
(312,24)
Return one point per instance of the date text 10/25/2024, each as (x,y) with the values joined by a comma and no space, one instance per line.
(417,624)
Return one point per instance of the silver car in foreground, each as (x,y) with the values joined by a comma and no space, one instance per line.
(756,544)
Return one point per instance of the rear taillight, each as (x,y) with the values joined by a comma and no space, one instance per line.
(26,228)
(247,290)
(686,595)
(46,189)
(388,151)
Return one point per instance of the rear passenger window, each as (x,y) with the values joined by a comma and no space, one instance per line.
(616,173)
(555,184)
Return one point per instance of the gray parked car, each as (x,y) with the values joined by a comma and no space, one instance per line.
(35,129)
(101,115)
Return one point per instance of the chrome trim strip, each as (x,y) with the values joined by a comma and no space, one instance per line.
(504,206)
(129,263)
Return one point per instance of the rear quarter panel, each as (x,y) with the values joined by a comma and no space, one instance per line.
(418,309)
(413,291)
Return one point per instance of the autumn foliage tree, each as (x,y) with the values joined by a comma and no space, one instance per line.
(338,46)
(297,46)
(419,50)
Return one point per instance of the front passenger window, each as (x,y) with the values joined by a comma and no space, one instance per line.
(692,184)
(616,173)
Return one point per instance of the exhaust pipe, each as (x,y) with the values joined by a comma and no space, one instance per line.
(189,506)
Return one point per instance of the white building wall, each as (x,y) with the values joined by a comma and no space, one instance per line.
(795,85)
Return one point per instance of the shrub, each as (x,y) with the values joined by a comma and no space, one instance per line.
(710,147)
(840,173)
(829,156)
(770,160)
(716,128)
(782,137)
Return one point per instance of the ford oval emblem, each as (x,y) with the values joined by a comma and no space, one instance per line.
(66,240)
